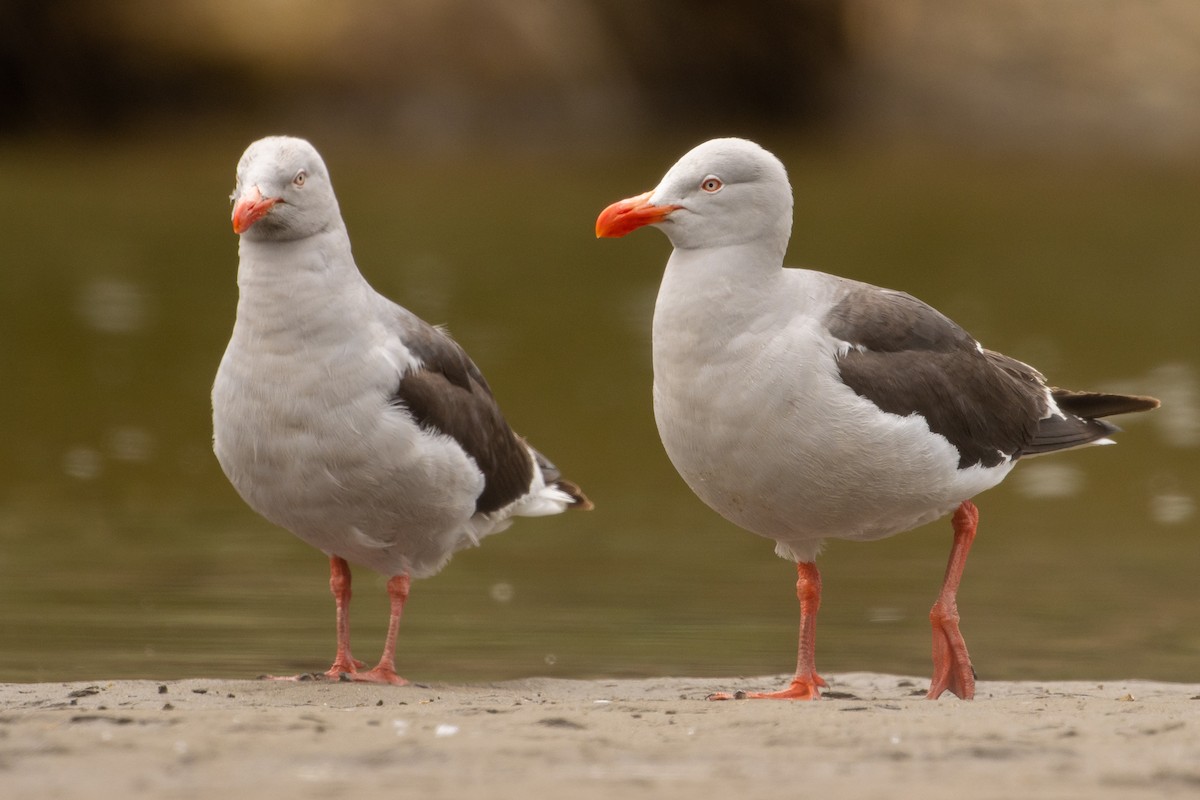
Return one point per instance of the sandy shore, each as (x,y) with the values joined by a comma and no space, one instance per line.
(874,736)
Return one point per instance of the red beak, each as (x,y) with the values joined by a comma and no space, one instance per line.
(625,216)
(250,209)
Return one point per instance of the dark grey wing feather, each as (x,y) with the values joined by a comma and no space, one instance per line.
(1080,423)
(883,320)
(448,394)
(907,358)
(1100,404)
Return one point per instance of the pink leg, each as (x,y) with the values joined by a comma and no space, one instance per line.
(951,663)
(385,670)
(804,685)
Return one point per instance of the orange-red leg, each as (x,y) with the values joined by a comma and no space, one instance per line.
(344,664)
(339,585)
(385,670)
(952,668)
(805,685)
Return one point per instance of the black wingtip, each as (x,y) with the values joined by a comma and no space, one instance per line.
(579,500)
(553,477)
(1091,405)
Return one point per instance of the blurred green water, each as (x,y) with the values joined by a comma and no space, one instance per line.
(124,553)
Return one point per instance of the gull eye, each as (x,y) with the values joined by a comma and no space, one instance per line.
(298,181)
(711,184)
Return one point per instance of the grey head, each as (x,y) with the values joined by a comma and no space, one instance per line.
(722,192)
(283,191)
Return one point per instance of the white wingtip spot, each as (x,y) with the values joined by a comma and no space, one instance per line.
(844,348)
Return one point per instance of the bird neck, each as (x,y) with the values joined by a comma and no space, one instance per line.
(735,279)
(714,296)
(299,287)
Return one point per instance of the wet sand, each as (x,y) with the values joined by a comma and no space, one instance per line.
(872,736)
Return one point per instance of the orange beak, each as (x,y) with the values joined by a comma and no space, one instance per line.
(626,216)
(250,209)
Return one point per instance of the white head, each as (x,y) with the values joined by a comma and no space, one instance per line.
(283,191)
(723,192)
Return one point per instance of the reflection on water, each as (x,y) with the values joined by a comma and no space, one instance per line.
(82,463)
(123,552)
(113,306)
(1046,480)
(1175,384)
(1172,508)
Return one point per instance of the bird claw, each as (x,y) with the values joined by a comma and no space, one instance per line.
(377,675)
(952,667)
(799,689)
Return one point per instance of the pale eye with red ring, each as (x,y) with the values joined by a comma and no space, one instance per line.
(298,181)
(711,184)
